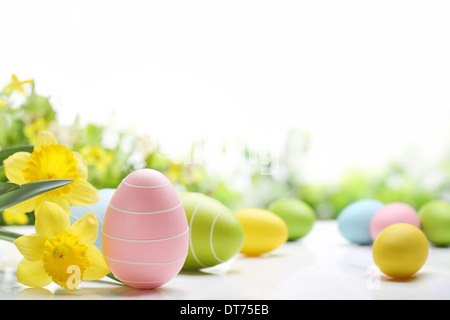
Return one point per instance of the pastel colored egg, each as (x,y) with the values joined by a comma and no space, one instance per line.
(435,222)
(215,233)
(99,209)
(396,212)
(145,234)
(400,250)
(354,220)
(298,216)
(264,231)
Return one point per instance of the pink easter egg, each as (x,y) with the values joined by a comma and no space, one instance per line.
(145,235)
(392,213)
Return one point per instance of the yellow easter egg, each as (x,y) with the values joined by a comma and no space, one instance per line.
(400,250)
(264,231)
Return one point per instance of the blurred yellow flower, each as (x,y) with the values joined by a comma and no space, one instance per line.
(195,175)
(16,85)
(175,172)
(98,157)
(60,252)
(50,160)
(184,174)
(14,218)
(3,103)
(32,129)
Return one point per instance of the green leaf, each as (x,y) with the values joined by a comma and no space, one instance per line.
(30,190)
(6,187)
(9,235)
(5,153)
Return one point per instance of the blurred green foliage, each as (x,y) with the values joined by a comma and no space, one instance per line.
(113,154)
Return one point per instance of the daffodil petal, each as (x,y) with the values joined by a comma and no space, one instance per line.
(44,138)
(97,265)
(60,201)
(86,229)
(82,166)
(82,193)
(51,220)
(14,166)
(32,273)
(31,246)
(24,206)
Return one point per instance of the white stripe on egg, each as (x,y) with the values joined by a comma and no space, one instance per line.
(190,235)
(146,187)
(146,240)
(211,230)
(146,282)
(150,212)
(211,234)
(145,263)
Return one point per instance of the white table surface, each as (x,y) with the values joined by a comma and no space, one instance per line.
(322,265)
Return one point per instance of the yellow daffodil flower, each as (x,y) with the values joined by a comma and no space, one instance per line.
(49,160)
(31,130)
(60,252)
(3,103)
(14,218)
(187,175)
(98,157)
(175,172)
(16,85)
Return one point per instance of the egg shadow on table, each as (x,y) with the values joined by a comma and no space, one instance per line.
(267,255)
(199,272)
(435,245)
(121,292)
(415,277)
(89,293)
(209,271)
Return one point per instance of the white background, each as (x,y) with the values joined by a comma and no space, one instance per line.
(369,79)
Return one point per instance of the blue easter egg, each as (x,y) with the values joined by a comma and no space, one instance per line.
(354,220)
(99,209)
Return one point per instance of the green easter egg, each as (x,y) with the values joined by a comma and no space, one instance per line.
(215,233)
(298,215)
(435,222)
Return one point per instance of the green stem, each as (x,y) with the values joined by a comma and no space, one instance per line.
(5,237)
(11,236)
(111,276)
(8,235)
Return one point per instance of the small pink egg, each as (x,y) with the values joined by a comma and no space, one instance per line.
(392,213)
(145,236)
